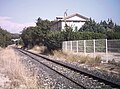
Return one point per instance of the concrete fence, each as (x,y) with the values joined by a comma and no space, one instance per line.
(92,46)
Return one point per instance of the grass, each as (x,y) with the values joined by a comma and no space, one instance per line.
(19,75)
(77,58)
(68,56)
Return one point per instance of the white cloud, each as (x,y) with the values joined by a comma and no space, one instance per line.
(13,27)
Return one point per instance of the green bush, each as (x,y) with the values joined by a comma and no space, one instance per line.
(5,38)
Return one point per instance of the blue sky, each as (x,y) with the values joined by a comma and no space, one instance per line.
(20,13)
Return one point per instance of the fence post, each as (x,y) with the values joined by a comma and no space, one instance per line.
(71,45)
(77,46)
(85,47)
(94,47)
(106,51)
(106,46)
(65,45)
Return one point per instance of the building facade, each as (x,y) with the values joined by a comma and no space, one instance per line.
(75,21)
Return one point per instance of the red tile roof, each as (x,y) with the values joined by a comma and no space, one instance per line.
(76,14)
(61,19)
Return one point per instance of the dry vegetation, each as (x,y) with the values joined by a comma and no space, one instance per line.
(20,77)
(93,62)
(77,58)
(69,56)
(38,49)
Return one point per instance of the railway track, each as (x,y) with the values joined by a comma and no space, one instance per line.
(79,77)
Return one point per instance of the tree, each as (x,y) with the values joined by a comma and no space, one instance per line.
(110,24)
(5,38)
(54,40)
(116,28)
(43,24)
(89,26)
(42,35)
(27,37)
(67,32)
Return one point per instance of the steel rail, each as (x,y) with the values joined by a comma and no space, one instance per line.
(76,69)
(55,71)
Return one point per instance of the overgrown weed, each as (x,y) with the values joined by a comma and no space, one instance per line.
(69,56)
(19,75)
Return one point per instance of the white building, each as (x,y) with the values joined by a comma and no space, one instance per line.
(75,21)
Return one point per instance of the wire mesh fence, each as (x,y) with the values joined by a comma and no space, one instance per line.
(113,45)
(94,46)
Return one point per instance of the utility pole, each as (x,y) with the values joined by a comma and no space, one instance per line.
(65,15)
